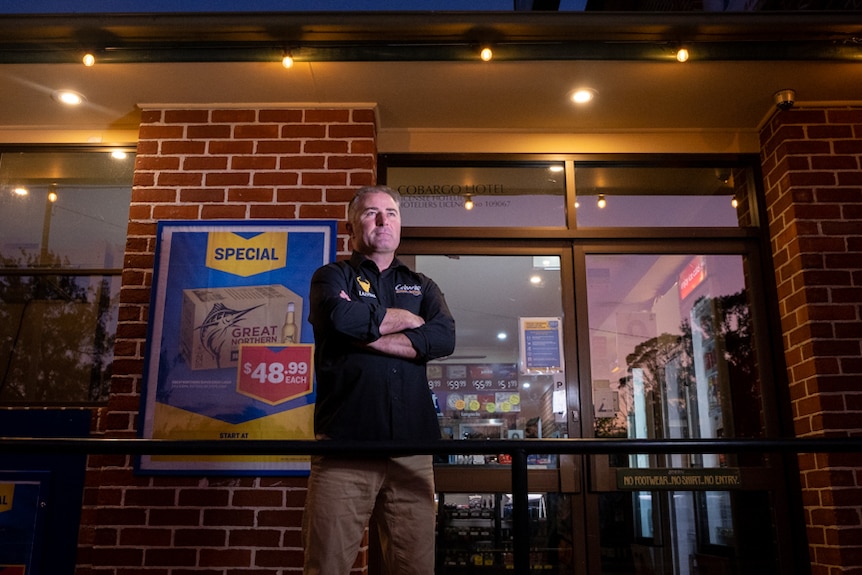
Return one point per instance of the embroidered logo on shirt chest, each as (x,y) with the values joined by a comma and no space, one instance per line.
(364,287)
(412,289)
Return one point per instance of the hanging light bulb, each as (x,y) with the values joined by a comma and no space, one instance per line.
(287,60)
(89,60)
(601,203)
(468,203)
(682,55)
(734,202)
(486,54)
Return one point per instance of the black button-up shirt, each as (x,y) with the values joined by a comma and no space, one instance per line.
(363,394)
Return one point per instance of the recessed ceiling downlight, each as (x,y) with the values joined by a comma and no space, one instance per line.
(583,95)
(68,97)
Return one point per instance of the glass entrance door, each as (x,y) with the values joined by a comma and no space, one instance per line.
(674,355)
(508,379)
(566,343)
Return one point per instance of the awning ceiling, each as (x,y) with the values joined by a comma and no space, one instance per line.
(421,71)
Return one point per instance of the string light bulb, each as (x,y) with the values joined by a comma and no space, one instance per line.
(734,202)
(287,60)
(601,202)
(52,196)
(89,60)
(468,203)
(682,55)
(486,54)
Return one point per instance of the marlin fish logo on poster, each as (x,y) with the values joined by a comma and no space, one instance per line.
(217,321)
(215,330)
(246,254)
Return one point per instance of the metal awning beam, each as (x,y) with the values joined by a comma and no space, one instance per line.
(418,36)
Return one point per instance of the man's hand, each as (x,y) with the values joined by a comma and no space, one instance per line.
(395,344)
(397,320)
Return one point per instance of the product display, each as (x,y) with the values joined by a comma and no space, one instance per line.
(476,534)
(216,321)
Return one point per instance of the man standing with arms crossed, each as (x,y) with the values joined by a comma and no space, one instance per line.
(376,324)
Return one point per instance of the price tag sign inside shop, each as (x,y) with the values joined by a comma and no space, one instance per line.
(275,373)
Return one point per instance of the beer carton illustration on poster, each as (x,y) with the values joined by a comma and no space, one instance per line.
(229,347)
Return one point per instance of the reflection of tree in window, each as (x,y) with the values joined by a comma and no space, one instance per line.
(672,355)
(55,340)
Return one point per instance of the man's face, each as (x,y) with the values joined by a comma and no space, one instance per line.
(376,228)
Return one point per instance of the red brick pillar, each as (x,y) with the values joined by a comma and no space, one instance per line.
(812,165)
(211,164)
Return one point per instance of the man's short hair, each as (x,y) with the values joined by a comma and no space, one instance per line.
(365,190)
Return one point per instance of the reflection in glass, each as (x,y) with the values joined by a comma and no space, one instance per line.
(76,209)
(56,337)
(672,355)
(630,196)
(63,217)
(671,347)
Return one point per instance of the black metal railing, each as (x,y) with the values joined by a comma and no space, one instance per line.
(519,450)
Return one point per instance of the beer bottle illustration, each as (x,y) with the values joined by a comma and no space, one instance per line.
(288,332)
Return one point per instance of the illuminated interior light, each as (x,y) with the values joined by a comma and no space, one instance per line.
(287,61)
(556,169)
(734,202)
(21,191)
(486,54)
(468,203)
(502,336)
(119,155)
(601,202)
(89,60)
(682,55)
(68,97)
(535,280)
(52,197)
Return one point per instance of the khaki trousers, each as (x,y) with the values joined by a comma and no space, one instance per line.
(344,493)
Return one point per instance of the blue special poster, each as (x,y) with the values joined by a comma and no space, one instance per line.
(229,346)
(20,525)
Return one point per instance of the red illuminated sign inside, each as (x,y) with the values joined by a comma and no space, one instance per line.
(692,276)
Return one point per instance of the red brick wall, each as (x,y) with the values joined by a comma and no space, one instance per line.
(812,165)
(211,164)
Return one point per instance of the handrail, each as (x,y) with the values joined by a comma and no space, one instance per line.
(518,449)
(91,445)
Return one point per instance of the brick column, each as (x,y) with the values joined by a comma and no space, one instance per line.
(812,165)
(211,164)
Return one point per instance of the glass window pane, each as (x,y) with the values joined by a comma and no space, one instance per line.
(475,196)
(56,337)
(491,387)
(475,533)
(63,217)
(67,210)
(672,350)
(619,196)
